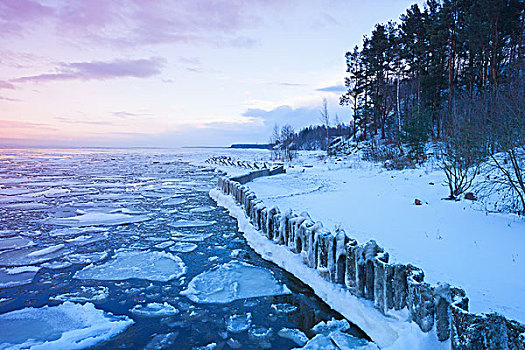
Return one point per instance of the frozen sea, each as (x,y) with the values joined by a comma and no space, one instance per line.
(110,249)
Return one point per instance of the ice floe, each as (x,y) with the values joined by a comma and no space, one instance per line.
(201,209)
(162,341)
(15,243)
(98,219)
(232,281)
(17,276)
(7,233)
(164,245)
(86,258)
(31,255)
(26,206)
(331,325)
(191,223)
(56,265)
(66,326)
(191,237)
(238,323)
(84,294)
(155,310)
(183,247)
(284,309)
(331,336)
(173,201)
(294,335)
(148,265)
(74,231)
(88,239)
(338,340)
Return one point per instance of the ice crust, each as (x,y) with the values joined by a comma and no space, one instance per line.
(66,326)
(148,265)
(233,281)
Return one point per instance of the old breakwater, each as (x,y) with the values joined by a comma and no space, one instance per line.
(365,271)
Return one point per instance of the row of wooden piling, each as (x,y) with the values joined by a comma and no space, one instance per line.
(365,270)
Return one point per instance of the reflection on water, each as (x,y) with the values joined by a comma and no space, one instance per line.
(128,231)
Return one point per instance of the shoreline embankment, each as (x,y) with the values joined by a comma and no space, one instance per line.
(392,303)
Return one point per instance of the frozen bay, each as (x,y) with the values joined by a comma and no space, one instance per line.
(127,232)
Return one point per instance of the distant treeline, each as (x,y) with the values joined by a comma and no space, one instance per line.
(252,145)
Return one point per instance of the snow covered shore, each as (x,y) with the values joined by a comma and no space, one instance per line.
(452,241)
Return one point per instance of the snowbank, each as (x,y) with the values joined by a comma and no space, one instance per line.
(393,332)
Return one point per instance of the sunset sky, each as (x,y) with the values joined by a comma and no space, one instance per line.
(173,73)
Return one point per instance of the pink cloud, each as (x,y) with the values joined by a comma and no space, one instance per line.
(2,98)
(100,70)
(15,14)
(139,22)
(6,85)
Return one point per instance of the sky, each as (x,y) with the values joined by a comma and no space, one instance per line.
(170,73)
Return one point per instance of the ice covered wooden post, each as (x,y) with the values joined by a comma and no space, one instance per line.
(351,265)
(270,223)
(399,286)
(446,298)
(337,255)
(380,281)
(323,244)
(420,299)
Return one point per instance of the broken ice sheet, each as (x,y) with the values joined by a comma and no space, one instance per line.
(86,258)
(201,209)
(338,340)
(88,239)
(17,276)
(284,309)
(191,237)
(98,219)
(66,326)
(15,243)
(155,310)
(148,265)
(191,223)
(84,294)
(26,206)
(173,201)
(238,323)
(183,247)
(294,335)
(74,231)
(330,326)
(233,281)
(32,255)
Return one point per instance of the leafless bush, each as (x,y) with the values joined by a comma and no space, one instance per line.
(464,147)
(393,156)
